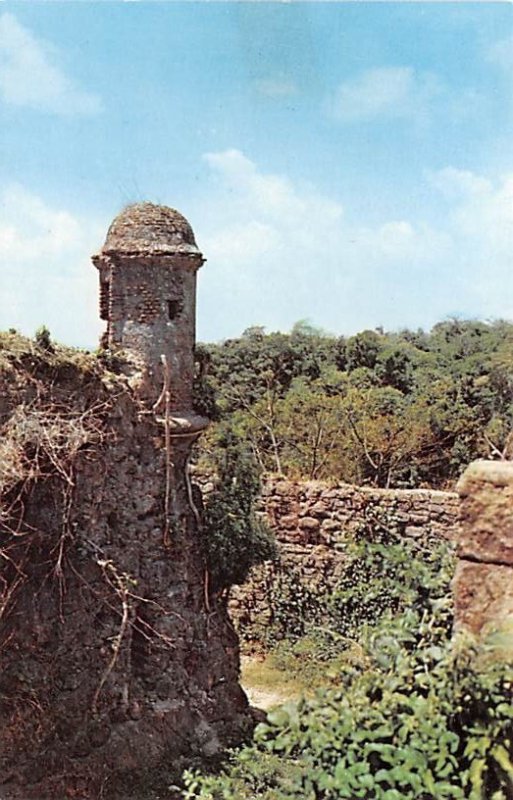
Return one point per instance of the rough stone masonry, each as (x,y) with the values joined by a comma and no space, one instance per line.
(114,665)
(483,583)
(313,522)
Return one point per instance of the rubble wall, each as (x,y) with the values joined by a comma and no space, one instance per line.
(313,521)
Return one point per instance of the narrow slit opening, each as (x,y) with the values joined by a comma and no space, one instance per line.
(173,309)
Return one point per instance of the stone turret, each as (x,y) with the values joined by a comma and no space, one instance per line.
(117,664)
(147,269)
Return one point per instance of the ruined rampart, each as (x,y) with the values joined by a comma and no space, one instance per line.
(116,663)
(313,522)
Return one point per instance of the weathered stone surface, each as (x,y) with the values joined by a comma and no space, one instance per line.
(483,596)
(309,524)
(497,473)
(113,662)
(147,270)
(289,521)
(486,490)
(483,584)
(313,522)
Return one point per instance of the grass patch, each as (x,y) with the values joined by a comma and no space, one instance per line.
(267,685)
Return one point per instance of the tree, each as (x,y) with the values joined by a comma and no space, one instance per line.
(395,369)
(43,339)
(363,349)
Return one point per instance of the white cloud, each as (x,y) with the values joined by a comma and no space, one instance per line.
(46,276)
(268,214)
(243,243)
(391,92)
(481,220)
(273,196)
(28,78)
(483,210)
(269,194)
(459,183)
(403,242)
(279,251)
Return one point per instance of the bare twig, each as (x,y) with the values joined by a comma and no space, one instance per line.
(119,584)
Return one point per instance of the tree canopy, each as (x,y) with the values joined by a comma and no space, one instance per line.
(389,409)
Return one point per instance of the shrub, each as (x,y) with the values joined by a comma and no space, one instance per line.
(234,537)
(427,720)
(384,573)
(43,338)
(410,713)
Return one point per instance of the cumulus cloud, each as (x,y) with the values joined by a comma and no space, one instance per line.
(46,276)
(279,251)
(391,92)
(481,221)
(272,196)
(30,79)
(403,243)
(483,209)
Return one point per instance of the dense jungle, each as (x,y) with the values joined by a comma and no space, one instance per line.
(388,409)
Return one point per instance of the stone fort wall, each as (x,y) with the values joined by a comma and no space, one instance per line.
(313,522)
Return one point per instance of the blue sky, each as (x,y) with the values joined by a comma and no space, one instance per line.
(349,163)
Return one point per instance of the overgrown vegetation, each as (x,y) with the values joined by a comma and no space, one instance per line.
(53,405)
(423,720)
(404,712)
(384,574)
(388,409)
(234,537)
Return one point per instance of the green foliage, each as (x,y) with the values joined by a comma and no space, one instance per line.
(387,409)
(363,349)
(234,537)
(268,777)
(395,369)
(43,338)
(203,391)
(244,370)
(423,719)
(405,712)
(384,573)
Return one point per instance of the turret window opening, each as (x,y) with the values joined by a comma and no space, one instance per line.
(174,308)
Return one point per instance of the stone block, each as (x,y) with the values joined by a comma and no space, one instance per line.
(287,522)
(330,525)
(319,509)
(309,524)
(486,489)
(414,531)
(483,596)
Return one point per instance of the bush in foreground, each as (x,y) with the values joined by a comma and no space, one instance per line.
(426,720)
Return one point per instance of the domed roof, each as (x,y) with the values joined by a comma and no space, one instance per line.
(152,229)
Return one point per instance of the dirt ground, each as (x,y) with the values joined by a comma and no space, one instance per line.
(265,686)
